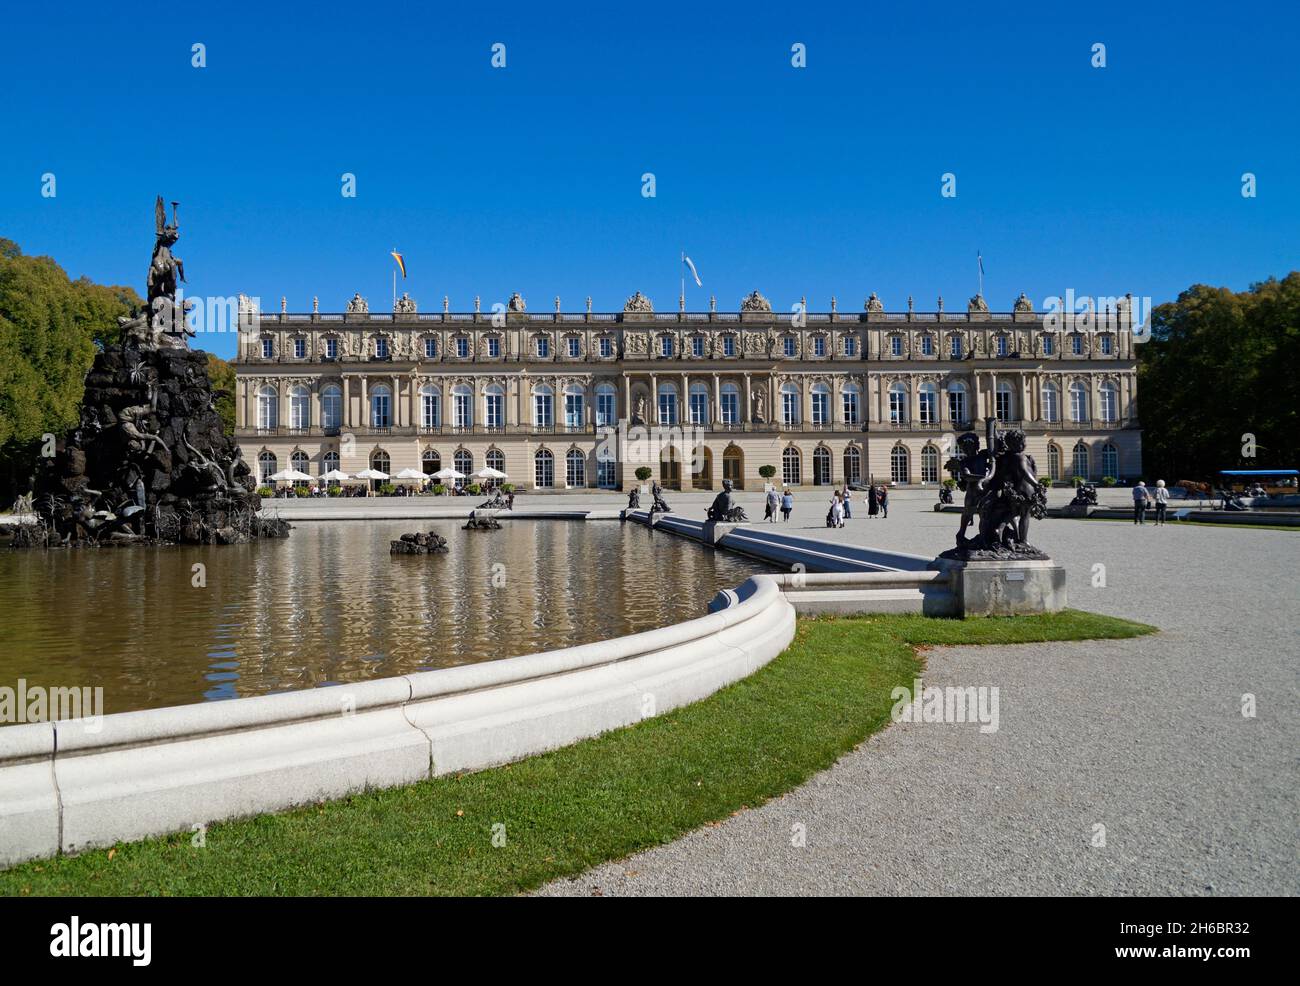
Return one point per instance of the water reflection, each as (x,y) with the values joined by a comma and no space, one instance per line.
(331,605)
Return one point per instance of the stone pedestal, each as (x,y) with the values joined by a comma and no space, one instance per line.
(716,530)
(1008,588)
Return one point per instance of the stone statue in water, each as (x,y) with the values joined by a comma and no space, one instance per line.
(162,324)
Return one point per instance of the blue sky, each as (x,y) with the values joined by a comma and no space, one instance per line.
(817,181)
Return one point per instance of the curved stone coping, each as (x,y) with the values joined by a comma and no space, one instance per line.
(72,785)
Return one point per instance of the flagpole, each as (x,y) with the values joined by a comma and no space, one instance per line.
(979,260)
(682,271)
(394,281)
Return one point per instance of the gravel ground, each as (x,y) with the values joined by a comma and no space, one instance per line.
(1145,737)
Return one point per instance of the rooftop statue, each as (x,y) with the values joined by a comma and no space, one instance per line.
(358,305)
(516,303)
(405,305)
(977,304)
(874,304)
(755,302)
(1023,304)
(639,303)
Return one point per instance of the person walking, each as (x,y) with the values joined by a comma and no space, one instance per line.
(848,503)
(787,504)
(873,502)
(884,503)
(1140,500)
(773,501)
(1162,502)
(837,510)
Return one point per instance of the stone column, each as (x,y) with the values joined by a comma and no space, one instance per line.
(365,401)
(347,400)
(627,396)
(315,403)
(747,412)
(717,399)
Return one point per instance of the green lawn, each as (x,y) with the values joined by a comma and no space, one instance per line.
(566,811)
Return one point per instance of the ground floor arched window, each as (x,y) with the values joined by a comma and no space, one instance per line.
(1081,461)
(702,467)
(543,469)
(575,469)
(606,468)
(790,466)
(852,465)
(1110,460)
(733,466)
(266,466)
(821,466)
(1053,461)
(463,461)
(898,464)
(330,461)
(430,462)
(929,464)
(300,461)
(380,462)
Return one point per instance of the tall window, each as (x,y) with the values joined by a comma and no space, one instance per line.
(821,404)
(789,404)
(543,469)
(430,407)
(1049,345)
(1053,462)
(928,396)
(1081,460)
(430,348)
(790,466)
(1108,401)
(1110,460)
(299,407)
(380,462)
(788,344)
(819,345)
(665,345)
(850,346)
(463,461)
(268,408)
(266,467)
(494,406)
(574,412)
(575,469)
(1076,344)
(1078,402)
(667,404)
(300,462)
(957,403)
(575,347)
(954,346)
(896,345)
(462,347)
(728,345)
(606,405)
(730,403)
(821,466)
(699,404)
(544,408)
(331,407)
(929,464)
(852,465)
(493,347)
(850,401)
(430,462)
(381,348)
(1051,402)
(606,346)
(697,345)
(606,469)
(331,348)
(927,345)
(496,459)
(299,348)
(1005,402)
(1001,344)
(1107,344)
(462,406)
(898,404)
(898,470)
(381,406)
(268,349)
(543,346)
(330,462)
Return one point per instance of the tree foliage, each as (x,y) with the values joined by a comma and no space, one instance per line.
(1221,366)
(222,375)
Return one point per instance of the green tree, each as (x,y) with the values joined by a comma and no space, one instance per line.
(222,375)
(1218,376)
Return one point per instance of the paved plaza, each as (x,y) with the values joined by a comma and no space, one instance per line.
(1145,737)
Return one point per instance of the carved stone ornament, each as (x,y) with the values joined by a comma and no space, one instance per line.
(405,305)
(755,302)
(358,305)
(874,304)
(977,304)
(639,303)
(517,304)
(1023,304)
(635,342)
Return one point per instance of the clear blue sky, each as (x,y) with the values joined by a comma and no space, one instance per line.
(815,181)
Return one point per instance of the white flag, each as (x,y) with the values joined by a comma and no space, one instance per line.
(694,273)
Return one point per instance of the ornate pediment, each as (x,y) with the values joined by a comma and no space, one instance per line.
(755,302)
(638,303)
(405,305)
(1023,304)
(358,305)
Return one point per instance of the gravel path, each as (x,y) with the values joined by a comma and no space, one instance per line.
(1145,737)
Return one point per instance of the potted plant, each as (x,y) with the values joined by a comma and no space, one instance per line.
(1108,481)
(439,489)
(334,491)
(301,491)
(265,492)
(643,473)
(507,487)
(474,489)
(767,472)
(387,489)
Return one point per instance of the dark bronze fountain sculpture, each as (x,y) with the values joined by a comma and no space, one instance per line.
(1001,486)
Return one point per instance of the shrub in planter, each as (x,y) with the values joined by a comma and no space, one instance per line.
(767,472)
(1108,480)
(507,487)
(301,491)
(1078,481)
(950,484)
(335,491)
(387,489)
(265,491)
(439,489)
(474,489)
(643,473)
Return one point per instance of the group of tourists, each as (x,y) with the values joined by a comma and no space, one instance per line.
(1144,498)
(841,507)
(775,503)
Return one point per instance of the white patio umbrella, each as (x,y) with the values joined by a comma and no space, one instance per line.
(371,474)
(412,474)
(448,473)
(335,475)
(294,476)
(280,477)
(489,473)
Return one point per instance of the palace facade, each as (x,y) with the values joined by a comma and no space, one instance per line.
(555,399)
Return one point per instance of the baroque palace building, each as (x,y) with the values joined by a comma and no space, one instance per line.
(549,398)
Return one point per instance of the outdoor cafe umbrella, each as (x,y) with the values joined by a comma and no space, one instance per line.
(371,474)
(414,474)
(489,473)
(335,475)
(290,476)
(448,473)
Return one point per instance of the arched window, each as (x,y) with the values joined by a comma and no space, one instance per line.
(300,461)
(1051,402)
(733,466)
(543,469)
(496,459)
(898,464)
(606,468)
(821,466)
(575,469)
(606,405)
(463,461)
(380,461)
(790,466)
(1053,462)
(1108,405)
(1078,402)
(929,464)
(820,398)
(789,404)
(331,408)
(430,407)
(1006,401)
(898,403)
(730,404)
(544,412)
(299,407)
(266,467)
(852,465)
(667,404)
(381,406)
(462,406)
(957,407)
(268,408)
(1081,460)
(851,403)
(699,406)
(330,462)
(575,411)
(494,407)
(430,461)
(928,397)
(1110,460)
